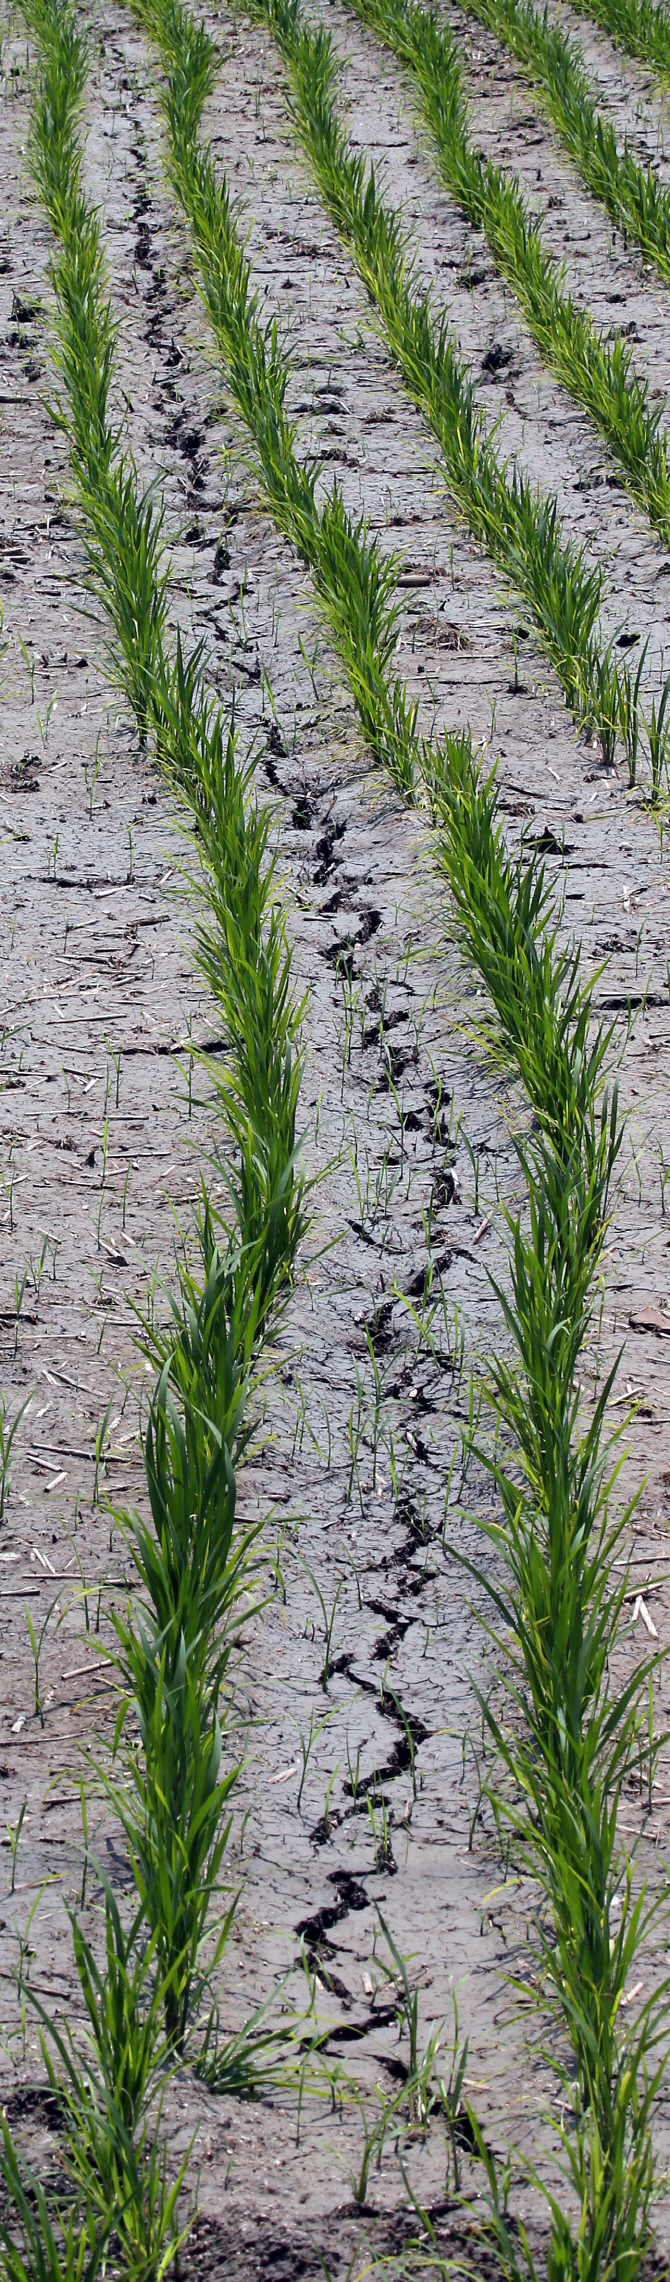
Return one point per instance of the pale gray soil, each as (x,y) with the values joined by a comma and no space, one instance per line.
(401,1722)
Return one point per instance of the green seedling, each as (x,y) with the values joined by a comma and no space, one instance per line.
(53,1244)
(402,1715)
(115,1054)
(629,711)
(300,1418)
(653,1745)
(8,1431)
(376,2130)
(72,2248)
(328,1617)
(8,1184)
(110,2085)
(476,1163)
(35,1269)
(602,697)
(381,1833)
(31,664)
(474,1810)
(91,775)
(36,1646)
(44,726)
(306,1743)
(176,1819)
(452,2100)
(408,1997)
(354,1772)
(356,1576)
(101,1437)
(25,1958)
(326,1803)
(84,1833)
(261,2056)
(397,1472)
(374,1426)
(191,1060)
(446,1344)
(352,1001)
(658,742)
(303,1425)
(664,1173)
(355,1433)
(195,1568)
(14,1834)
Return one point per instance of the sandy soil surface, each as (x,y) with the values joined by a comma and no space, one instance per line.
(404,1126)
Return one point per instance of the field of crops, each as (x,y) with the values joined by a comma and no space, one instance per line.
(334,1142)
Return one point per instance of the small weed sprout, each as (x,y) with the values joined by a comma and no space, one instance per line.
(8,1431)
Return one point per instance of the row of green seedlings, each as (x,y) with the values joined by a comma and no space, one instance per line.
(518,526)
(196,1570)
(633,197)
(571,1736)
(637,27)
(599,374)
(150,2006)
(545,1018)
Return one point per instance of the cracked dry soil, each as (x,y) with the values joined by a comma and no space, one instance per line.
(104,1126)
